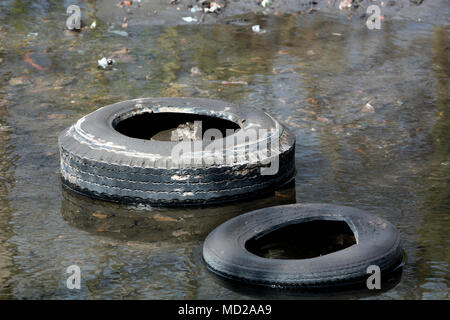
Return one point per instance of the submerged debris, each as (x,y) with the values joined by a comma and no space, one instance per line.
(368,108)
(28,60)
(196,71)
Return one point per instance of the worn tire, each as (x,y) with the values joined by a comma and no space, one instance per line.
(377,243)
(98,161)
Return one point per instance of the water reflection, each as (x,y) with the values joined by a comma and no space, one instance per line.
(389,281)
(158,224)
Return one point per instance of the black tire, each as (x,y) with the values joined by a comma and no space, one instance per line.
(377,243)
(99,161)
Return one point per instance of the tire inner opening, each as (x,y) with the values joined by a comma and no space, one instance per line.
(303,240)
(171,126)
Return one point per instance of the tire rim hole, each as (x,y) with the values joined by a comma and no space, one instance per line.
(303,240)
(171,126)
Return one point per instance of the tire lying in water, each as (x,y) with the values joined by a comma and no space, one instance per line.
(240,248)
(123,153)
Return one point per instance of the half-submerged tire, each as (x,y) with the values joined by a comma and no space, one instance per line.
(112,153)
(226,249)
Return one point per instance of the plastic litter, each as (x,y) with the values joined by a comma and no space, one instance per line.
(189,19)
(265,3)
(214,7)
(104,63)
(195,9)
(256,28)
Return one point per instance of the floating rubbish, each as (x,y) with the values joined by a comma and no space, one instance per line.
(265,3)
(257,29)
(345,4)
(93,25)
(195,71)
(195,9)
(224,82)
(104,63)
(189,19)
(4,127)
(18,81)
(28,60)
(214,7)
(368,108)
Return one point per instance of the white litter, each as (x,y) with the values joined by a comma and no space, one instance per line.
(213,8)
(104,63)
(256,28)
(93,25)
(189,19)
(344,4)
(265,3)
(195,9)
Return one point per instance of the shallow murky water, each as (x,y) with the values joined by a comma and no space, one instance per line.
(316,73)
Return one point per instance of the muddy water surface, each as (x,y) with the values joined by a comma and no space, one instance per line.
(369,110)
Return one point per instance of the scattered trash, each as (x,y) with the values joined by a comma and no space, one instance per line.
(213,8)
(360,151)
(122,56)
(100,215)
(337,34)
(4,128)
(18,81)
(32,34)
(345,4)
(161,218)
(322,119)
(124,3)
(368,108)
(195,9)
(265,3)
(310,52)
(93,25)
(190,19)
(28,60)
(104,63)
(179,233)
(256,28)
(234,82)
(196,71)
